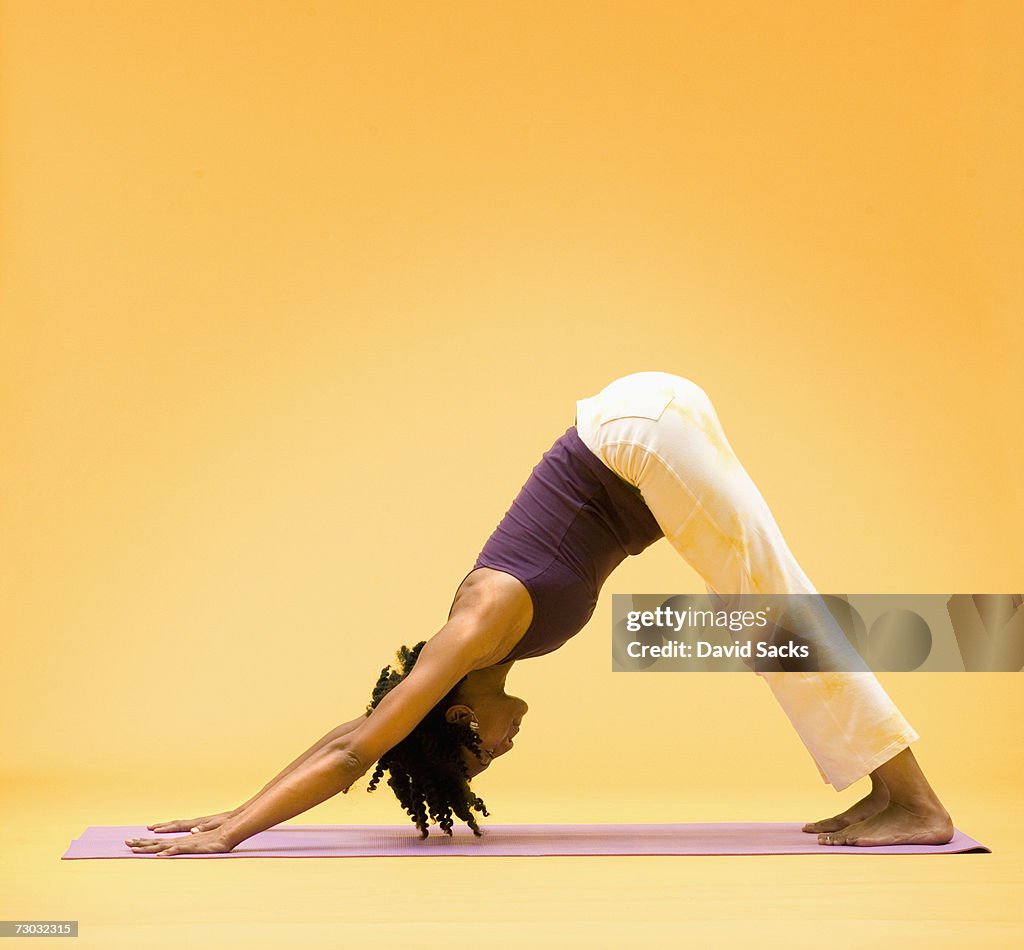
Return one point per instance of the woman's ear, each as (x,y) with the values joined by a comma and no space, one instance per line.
(463,714)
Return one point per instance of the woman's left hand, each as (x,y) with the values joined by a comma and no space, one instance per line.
(202,842)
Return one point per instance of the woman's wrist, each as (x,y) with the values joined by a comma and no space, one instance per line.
(229,832)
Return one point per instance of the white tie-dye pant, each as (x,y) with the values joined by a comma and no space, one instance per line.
(661,434)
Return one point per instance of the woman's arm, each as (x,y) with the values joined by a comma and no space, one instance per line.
(320,775)
(210,822)
(333,736)
(482,631)
(446,658)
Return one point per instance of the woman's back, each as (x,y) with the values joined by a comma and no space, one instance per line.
(572,523)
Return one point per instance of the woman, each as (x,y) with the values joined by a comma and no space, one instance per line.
(645,459)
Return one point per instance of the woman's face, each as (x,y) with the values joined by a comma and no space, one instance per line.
(498,719)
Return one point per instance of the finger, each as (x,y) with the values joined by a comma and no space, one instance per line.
(169,827)
(156,842)
(167,852)
(148,848)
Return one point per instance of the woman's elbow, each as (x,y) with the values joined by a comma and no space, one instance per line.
(350,759)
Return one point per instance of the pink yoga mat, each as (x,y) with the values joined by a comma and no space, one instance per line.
(353,841)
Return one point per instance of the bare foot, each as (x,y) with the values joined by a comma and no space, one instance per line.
(895,824)
(870,804)
(865,808)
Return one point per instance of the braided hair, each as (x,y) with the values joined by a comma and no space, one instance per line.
(427,773)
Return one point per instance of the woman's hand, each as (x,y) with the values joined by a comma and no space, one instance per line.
(202,842)
(208,823)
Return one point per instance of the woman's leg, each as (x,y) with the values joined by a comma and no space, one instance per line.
(661,433)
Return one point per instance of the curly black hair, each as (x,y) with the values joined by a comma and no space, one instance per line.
(427,773)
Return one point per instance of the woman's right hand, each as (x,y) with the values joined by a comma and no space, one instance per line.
(206,823)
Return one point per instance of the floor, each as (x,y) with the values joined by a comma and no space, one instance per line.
(839,899)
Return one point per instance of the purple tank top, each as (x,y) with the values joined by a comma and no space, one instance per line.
(570,526)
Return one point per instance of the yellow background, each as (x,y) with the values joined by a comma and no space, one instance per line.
(293,297)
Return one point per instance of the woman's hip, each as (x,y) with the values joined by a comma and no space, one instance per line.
(655,414)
